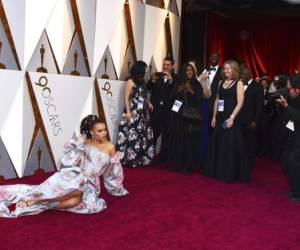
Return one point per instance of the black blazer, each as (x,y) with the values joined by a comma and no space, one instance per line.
(293,111)
(253,104)
(214,89)
(161,91)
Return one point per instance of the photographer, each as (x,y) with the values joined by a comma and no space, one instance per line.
(279,133)
(161,85)
(291,154)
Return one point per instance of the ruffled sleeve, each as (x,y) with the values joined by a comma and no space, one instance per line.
(117,158)
(114,176)
(73,154)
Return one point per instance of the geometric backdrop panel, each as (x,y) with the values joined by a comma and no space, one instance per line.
(61,43)
(60,29)
(175,36)
(42,59)
(179,6)
(7,60)
(106,22)
(74,63)
(18,124)
(87,15)
(62,100)
(106,67)
(39,158)
(118,44)
(112,98)
(7,170)
(154,28)
(27,20)
(137,13)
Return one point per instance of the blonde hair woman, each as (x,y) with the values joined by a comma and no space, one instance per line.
(227,157)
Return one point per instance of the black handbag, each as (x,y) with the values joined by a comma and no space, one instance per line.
(191,113)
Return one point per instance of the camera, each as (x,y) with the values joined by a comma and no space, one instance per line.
(282,86)
(160,74)
(280,83)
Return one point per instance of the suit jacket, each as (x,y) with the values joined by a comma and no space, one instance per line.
(161,91)
(253,104)
(293,111)
(214,89)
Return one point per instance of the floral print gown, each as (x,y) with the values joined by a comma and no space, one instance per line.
(135,137)
(79,170)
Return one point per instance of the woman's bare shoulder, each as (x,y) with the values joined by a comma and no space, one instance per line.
(110,148)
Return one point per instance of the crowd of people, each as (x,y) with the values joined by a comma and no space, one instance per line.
(223,101)
(217,120)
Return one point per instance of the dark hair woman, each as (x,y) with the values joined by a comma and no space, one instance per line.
(185,122)
(75,187)
(135,137)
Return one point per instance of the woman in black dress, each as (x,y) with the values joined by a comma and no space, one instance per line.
(183,150)
(135,137)
(227,156)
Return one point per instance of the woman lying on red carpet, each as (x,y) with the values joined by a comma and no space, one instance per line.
(76,186)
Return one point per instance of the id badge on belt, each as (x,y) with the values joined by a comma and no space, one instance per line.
(176,106)
(221,106)
(141,101)
(290,125)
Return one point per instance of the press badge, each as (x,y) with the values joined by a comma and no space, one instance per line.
(140,103)
(221,105)
(290,125)
(176,106)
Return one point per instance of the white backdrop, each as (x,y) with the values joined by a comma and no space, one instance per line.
(40,111)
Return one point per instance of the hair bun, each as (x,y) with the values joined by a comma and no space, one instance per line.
(87,124)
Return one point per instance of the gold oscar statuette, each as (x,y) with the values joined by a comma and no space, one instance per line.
(2,66)
(105,76)
(39,156)
(42,68)
(75,72)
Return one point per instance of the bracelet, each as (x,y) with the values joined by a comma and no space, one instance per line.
(232,116)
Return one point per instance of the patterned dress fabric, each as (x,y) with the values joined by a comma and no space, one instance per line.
(79,170)
(135,137)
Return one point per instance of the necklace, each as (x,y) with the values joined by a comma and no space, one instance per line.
(227,85)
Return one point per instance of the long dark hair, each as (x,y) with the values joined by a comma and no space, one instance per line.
(88,123)
(137,72)
(183,77)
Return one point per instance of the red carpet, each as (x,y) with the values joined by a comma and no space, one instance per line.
(166,210)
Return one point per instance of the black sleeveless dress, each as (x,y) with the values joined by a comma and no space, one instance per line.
(227,157)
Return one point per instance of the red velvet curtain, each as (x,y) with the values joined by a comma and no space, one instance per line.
(268,46)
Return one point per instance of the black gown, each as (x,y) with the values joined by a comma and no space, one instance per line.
(227,157)
(184,139)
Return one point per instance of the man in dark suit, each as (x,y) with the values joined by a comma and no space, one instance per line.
(214,71)
(264,126)
(251,112)
(161,85)
(291,154)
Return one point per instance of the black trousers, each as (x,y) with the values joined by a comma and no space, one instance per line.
(264,135)
(250,138)
(159,122)
(291,162)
